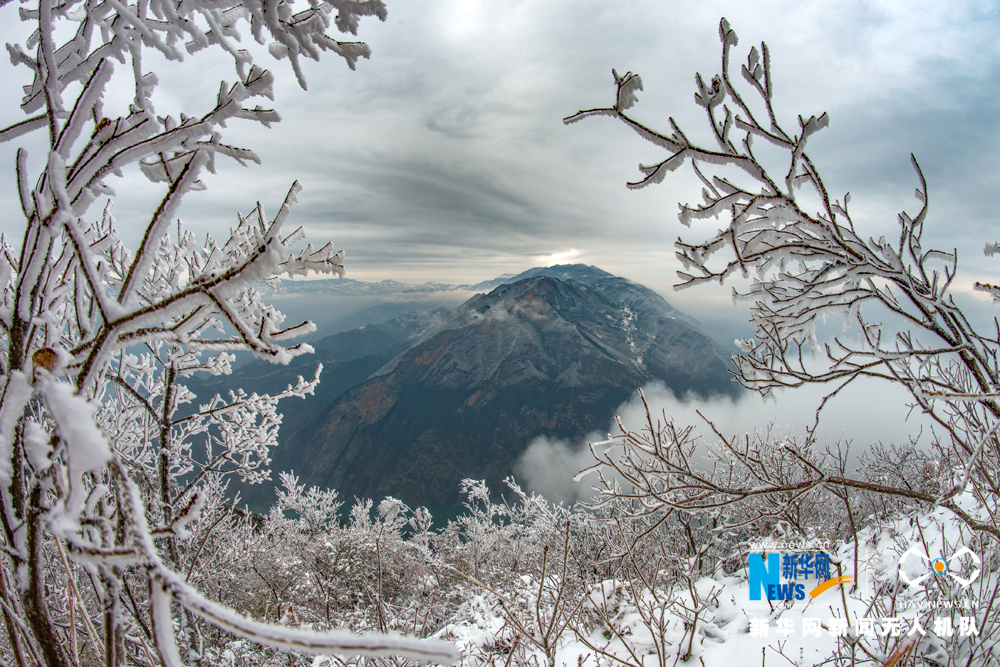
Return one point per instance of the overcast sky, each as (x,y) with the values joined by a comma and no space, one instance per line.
(444,156)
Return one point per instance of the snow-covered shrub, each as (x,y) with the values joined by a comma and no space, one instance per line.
(525,564)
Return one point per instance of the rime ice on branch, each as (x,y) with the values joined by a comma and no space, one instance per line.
(103,453)
(806,259)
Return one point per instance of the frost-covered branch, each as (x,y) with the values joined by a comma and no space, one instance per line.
(805,259)
(102,446)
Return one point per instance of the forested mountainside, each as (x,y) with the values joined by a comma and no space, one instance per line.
(412,406)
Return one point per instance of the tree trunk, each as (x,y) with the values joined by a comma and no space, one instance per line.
(34,597)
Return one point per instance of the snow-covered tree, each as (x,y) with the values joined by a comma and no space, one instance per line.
(805,259)
(806,266)
(104,455)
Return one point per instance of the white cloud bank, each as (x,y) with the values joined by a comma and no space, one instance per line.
(870,413)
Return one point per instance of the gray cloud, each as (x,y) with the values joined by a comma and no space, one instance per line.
(444,156)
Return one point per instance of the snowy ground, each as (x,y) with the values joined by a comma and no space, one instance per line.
(876,617)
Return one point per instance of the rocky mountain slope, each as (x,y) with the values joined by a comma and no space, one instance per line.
(410,407)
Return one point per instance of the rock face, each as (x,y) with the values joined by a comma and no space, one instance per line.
(461,394)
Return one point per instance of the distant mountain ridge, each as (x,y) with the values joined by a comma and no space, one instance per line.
(584,273)
(351,286)
(411,406)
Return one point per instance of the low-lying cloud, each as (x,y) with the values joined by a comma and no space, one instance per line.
(547,467)
(869,413)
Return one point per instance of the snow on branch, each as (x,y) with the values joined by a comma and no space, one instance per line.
(103,446)
(797,248)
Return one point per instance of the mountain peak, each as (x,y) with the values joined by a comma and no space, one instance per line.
(582,273)
(543,354)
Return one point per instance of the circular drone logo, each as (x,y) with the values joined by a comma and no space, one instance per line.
(939,567)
